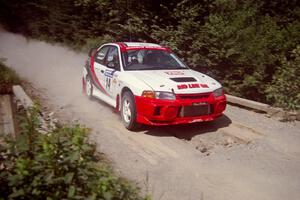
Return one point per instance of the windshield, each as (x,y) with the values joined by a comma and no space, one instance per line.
(148,59)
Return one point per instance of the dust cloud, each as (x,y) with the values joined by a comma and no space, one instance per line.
(49,66)
(56,73)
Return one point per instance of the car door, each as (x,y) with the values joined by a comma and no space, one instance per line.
(111,72)
(99,67)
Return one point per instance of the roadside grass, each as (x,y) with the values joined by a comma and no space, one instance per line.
(8,77)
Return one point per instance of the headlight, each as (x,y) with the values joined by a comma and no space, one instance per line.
(159,95)
(218,92)
(165,95)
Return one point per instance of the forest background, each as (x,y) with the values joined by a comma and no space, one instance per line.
(251,47)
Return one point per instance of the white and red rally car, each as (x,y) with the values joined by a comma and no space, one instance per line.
(148,84)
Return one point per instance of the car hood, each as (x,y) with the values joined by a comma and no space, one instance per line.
(179,81)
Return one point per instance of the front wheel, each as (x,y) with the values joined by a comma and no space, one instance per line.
(128,112)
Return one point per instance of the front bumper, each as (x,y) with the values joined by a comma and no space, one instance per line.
(168,112)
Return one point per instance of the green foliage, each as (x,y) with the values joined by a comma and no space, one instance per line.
(285,86)
(237,43)
(7,75)
(242,43)
(95,42)
(57,165)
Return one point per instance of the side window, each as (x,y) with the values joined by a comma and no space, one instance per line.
(112,58)
(100,55)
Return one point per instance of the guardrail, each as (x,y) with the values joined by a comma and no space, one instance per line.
(7,125)
(271,111)
(22,97)
(27,103)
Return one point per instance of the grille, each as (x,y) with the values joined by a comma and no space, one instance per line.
(184,79)
(193,96)
(195,110)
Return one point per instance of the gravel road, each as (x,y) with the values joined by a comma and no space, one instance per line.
(242,155)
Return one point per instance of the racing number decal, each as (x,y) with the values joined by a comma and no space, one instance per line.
(109,75)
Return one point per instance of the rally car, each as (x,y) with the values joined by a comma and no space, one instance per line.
(148,84)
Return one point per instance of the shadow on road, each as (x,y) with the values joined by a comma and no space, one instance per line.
(187,131)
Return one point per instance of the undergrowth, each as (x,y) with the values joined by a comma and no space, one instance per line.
(7,75)
(61,164)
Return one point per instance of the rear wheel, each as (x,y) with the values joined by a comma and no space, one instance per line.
(128,111)
(88,87)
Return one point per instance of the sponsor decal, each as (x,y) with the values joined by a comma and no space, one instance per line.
(107,83)
(200,103)
(204,85)
(109,73)
(192,85)
(146,47)
(175,73)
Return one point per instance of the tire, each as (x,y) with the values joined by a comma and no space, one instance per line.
(128,112)
(88,87)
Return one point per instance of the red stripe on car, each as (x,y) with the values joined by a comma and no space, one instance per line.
(94,77)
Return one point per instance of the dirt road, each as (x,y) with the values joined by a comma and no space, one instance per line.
(242,155)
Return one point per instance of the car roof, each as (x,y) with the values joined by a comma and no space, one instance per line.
(141,44)
(125,46)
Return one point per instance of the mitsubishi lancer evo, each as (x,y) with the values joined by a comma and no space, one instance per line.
(148,84)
